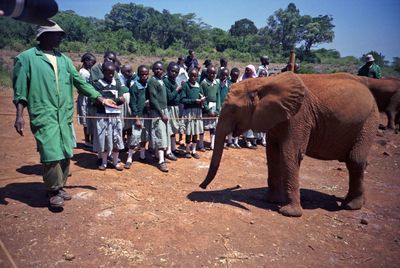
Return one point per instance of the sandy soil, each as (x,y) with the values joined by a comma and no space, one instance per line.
(142,217)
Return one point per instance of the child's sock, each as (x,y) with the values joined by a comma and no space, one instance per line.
(230,138)
(194,148)
(201,142)
(161,156)
(130,153)
(142,152)
(173,144)
(212,141)
(115,158)
(104,156)
(188,148)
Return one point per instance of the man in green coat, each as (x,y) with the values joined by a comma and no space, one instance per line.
(370,68)
(43,81)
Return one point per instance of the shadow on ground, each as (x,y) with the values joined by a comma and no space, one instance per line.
(256,197)
(36,169)
(31,193)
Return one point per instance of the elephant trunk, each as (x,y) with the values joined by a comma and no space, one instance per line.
(221,133)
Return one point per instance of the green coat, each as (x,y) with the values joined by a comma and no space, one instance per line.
(51,109)
(374,71)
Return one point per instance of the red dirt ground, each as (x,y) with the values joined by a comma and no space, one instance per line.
(142,217)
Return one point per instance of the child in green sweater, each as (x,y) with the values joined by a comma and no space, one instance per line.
(193,101)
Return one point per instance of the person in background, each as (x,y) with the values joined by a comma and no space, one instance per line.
(194,101)
(224,84)
(160,129)
(83,105)
(174,97)
(207,63)
(139,104)
(181,63)
(43,80)
(370,68)
(126,77)
(96,71)
(234,78)
(261,136)
(182,77)
(249,72)
(288,67)
(223,63)
(264,65)
(191,60)
(108,136)
(211,91)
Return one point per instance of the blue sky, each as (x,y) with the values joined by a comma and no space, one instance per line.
(360,25)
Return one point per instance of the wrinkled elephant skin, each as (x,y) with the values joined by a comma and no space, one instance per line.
(327,117)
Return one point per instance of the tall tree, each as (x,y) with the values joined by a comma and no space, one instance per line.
(283,27)
(316,30)
(243,27)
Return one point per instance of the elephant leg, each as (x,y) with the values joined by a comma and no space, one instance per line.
(275,186)
(290,166)
(355,198)
(357,162)
(390,116)
(392,109)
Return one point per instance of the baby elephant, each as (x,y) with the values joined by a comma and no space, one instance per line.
(386,92)
(324,116)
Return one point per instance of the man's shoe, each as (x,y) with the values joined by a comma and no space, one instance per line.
(55,200)
(201,149)
(171,157)
(163,167)
(188,155)
(66,196)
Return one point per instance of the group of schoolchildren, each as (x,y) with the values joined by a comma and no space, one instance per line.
(184,100)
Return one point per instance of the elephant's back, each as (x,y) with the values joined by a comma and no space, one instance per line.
(340,96)
(345,111)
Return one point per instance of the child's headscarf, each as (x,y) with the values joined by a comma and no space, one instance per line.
(252,75)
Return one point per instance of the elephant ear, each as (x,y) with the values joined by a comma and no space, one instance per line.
(279,98)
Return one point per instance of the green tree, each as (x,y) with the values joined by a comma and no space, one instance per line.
(316,30)
(396,64)
(243,27)
(283,27)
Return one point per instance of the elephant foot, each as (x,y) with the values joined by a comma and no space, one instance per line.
(291,210)
(353,203)
(274,197)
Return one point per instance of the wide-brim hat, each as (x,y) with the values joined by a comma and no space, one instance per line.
(369,58)
(46,29)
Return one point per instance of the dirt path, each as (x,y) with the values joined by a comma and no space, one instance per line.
(142,217)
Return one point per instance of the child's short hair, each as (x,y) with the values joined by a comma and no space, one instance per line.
(157,62)
(87,56)
(106,65)
(235,70)
(141,67)
(172,64)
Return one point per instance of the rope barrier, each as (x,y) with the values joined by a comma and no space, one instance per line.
(127,117)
